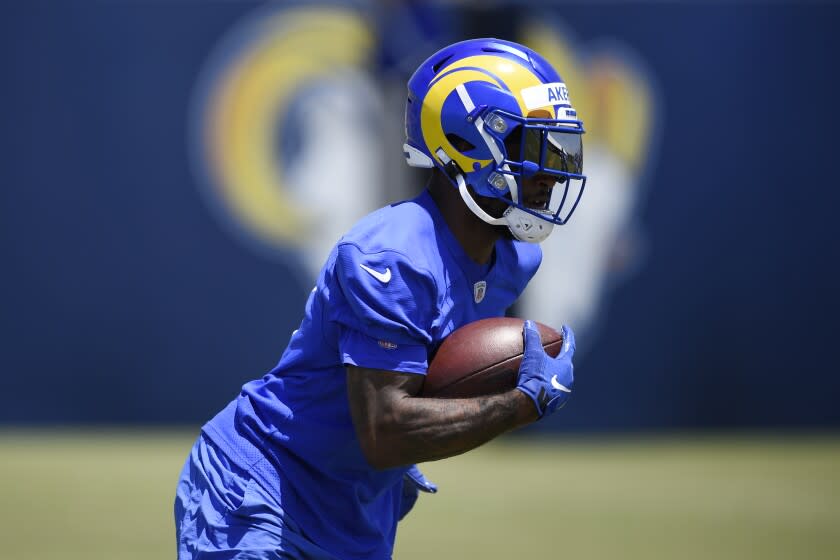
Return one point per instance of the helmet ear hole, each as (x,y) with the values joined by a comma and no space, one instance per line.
(440,63)
(459,143)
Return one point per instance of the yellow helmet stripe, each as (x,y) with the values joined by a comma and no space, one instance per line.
(513,76)
(496,70)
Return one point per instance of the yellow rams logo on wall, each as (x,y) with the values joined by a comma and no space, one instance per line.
(288,133)
(612,88)
(617,100)
(279,121)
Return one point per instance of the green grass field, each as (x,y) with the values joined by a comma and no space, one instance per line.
(91,495)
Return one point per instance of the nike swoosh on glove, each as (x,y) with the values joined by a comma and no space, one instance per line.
(548,381)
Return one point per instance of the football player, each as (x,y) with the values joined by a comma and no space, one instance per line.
(317,458)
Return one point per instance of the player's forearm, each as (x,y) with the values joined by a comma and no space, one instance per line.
(424,429)
(395,427)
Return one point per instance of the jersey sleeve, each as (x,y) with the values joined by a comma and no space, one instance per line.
(390,306)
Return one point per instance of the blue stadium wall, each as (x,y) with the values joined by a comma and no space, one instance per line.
(126,299)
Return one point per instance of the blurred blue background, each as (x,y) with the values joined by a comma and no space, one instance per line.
(173,172)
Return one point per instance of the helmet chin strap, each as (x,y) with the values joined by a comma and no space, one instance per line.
(523,225)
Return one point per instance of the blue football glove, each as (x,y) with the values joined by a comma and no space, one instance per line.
(548,381)
(413,483)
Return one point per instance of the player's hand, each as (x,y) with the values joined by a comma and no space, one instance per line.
(548,381)
(413,483)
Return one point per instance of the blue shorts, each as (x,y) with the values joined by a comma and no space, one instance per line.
(222,513)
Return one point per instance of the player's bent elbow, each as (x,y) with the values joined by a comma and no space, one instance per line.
(381,461)
(380,446)
(377,402)
(380,455)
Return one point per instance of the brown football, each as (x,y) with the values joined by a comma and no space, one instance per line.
(482,358)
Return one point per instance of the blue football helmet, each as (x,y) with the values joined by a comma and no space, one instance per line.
(470,102)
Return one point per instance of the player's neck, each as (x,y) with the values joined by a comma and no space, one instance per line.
(475,236)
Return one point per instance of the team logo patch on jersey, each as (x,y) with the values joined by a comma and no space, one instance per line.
(387,345)
(479,289)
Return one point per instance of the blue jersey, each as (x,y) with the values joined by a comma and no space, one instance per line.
(390,291)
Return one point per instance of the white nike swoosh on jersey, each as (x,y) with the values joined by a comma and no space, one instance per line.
(383,277)
(557,385)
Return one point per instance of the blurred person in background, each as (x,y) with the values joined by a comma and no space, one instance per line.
(317,458)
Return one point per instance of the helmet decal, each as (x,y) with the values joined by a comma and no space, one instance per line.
(433,134)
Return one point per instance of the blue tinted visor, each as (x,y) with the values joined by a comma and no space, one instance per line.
(555,152)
